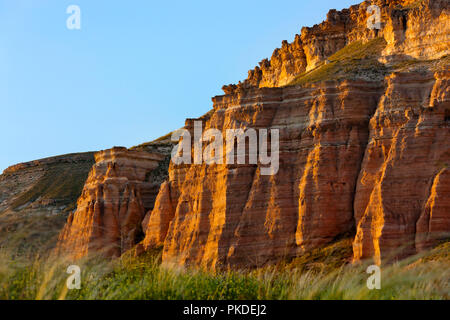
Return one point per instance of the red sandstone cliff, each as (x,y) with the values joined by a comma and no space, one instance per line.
(231,214)
(368,151)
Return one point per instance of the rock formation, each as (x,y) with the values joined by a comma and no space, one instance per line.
(230,214)
(366,154)
(116,196)
(47,186)
(367,151)
(402,197)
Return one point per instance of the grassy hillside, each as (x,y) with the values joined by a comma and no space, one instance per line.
(61,183)
(36,198)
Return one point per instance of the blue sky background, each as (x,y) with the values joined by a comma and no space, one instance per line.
(134,71)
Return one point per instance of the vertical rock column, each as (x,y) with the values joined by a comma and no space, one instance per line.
(113,204)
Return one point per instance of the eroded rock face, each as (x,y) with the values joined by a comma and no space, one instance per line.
(358,154)
(417,29)
(213,215)
(434,221)
(402,196)
(412,29)
(364,154)
(116,196)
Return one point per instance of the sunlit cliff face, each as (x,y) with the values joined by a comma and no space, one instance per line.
(356,152)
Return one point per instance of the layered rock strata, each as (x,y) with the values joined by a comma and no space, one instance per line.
(35,199)
(352,154)
(364,153)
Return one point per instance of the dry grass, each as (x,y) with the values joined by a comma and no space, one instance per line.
(62,183)
(420,277)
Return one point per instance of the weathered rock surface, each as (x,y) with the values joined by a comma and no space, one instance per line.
(352,153)
(364,153)
(412,29)
(230,214)
(367,154)
(116,196)
(50,184)
(402,197)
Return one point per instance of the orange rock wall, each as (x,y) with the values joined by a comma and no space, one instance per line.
(113,204)
(352,154)
(366,155)
(402,197)
(213,215)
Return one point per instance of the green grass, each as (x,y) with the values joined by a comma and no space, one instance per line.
(355,61)
(420,277)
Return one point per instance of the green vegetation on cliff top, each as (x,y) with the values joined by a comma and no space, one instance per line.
(355,61)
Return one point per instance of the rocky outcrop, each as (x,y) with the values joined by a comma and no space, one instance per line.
(116,196)
(352,154)
(434,221)
(417,29)
(413,29)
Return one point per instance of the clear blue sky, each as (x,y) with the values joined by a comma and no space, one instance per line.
(134,71)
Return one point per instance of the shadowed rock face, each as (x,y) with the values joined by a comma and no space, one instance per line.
(115,198)
(44,187)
